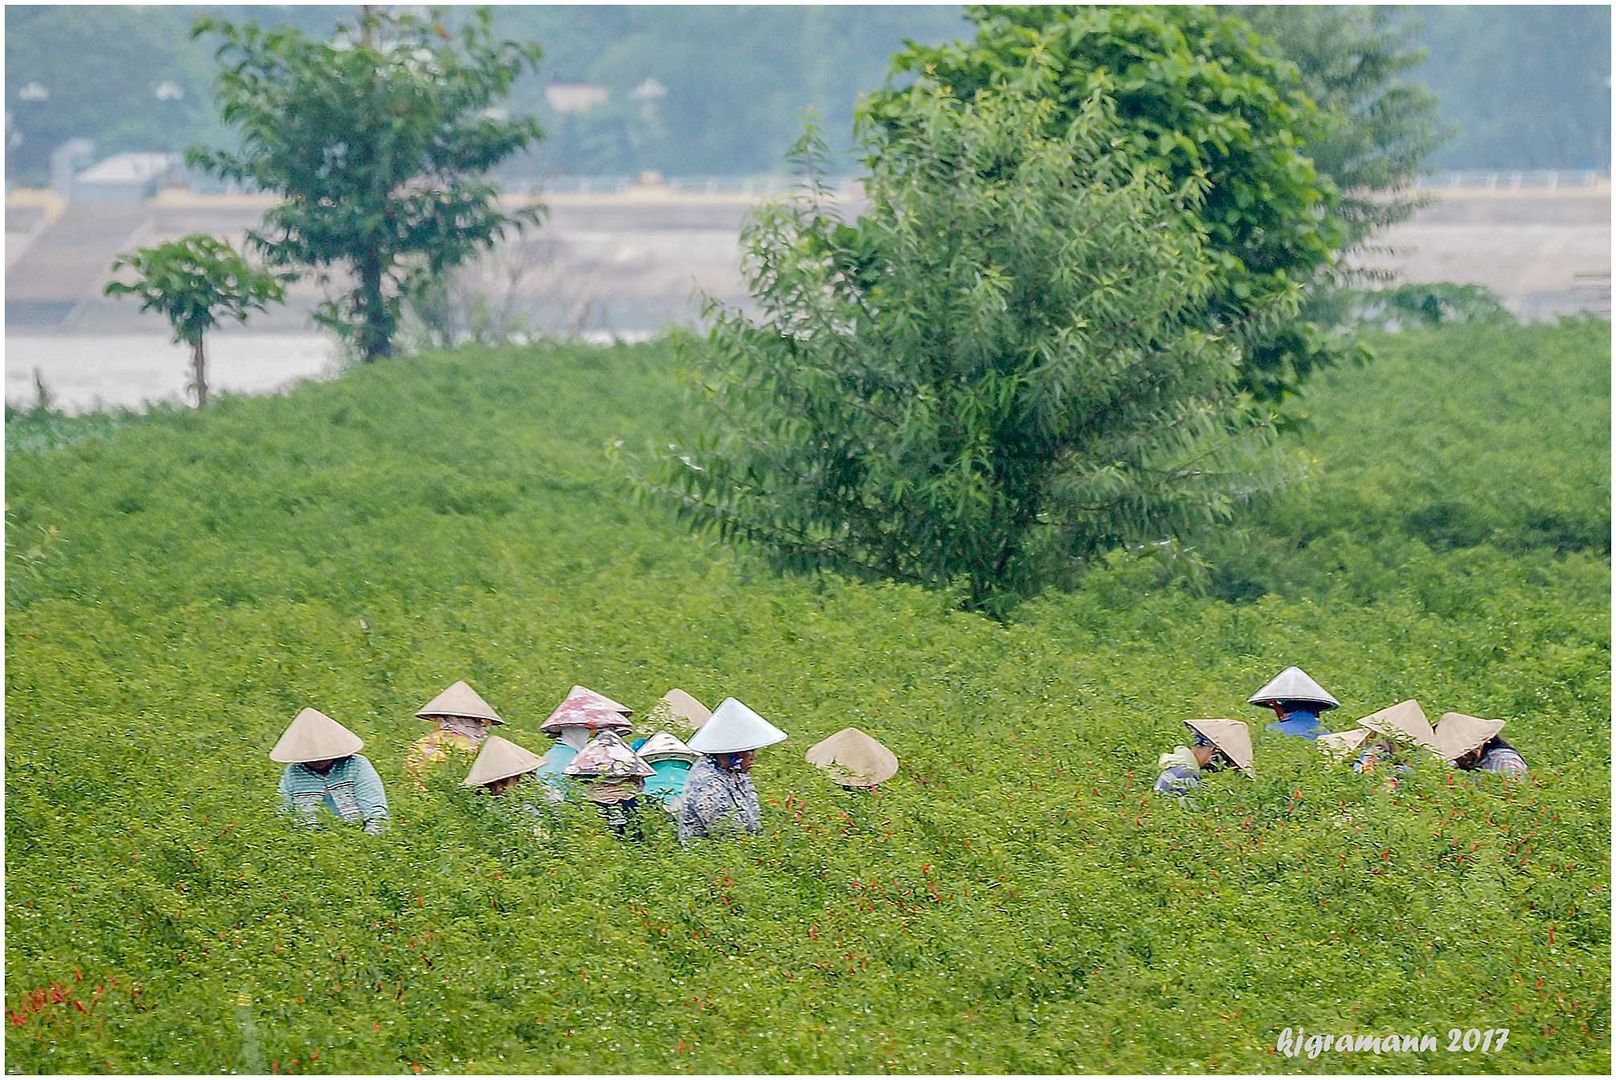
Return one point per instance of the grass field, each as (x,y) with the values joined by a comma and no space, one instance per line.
(179,586)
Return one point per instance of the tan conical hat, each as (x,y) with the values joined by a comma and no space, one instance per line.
(854,759)
(665,747)
(586,709)
(733,728)
(608,757)
(459,700)
(499,759)
(1340,744)
(1294,684)
(314,736)
(600,699)
(1458,734)
(1404,722)
(1230,736)
(687,708)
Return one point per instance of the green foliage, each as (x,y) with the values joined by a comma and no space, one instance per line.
(1375,129)
(1201,97)
(991,378)
(379,142)
(1013,901)
(196,282)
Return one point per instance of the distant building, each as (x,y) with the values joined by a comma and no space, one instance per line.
(124,178)
(568,98)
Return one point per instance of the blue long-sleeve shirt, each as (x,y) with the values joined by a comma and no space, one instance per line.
(1300,723)
(351,790)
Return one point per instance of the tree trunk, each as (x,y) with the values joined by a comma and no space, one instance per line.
(199,373)
(375,327)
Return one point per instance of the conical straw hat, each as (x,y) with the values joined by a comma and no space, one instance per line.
(1340,745)
(734,728)
(585,709)
(601,699)
(1294,684)
(1458,734)
(608,757)
(314,736)
(687,708)
(1230,736)
(1403,722)
(854,759)
(459,700)
(665,747)
(499,759)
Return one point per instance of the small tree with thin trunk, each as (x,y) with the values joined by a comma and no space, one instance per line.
(197,282)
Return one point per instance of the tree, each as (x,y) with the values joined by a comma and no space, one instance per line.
(1375,130)
(197,282)
(379,142)
(1200,96)
(999,373)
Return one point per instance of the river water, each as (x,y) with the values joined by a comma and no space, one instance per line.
(85,372)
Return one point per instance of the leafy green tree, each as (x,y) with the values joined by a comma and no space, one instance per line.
(1376,129)
(379,142)
(1000,373)
(197,282)
(1200,96)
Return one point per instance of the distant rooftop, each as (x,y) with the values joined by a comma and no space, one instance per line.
(129,168)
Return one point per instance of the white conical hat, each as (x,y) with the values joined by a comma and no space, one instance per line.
(1458,734)
(1340,744)
(854,759)
(687,708)
(733,728)
(1294,684)
(314,736)
(586,709)
(608,757)
(1230,736)
(499,759)
(665,747)
(601,699)
(459,700)
(1403,722)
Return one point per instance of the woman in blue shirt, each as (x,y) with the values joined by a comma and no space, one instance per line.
(324,768)
(1297,702)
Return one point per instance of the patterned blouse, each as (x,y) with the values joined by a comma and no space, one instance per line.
(434,748)
(351,790)
(1500,757)
(718,803)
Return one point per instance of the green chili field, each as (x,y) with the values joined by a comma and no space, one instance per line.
(179,585)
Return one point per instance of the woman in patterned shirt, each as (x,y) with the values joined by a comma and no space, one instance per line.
(464,720)
(1474,745)
(1218,744)
(324,768)
(719,799)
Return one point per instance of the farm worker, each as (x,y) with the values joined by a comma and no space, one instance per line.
(501,765)
(614,779)
(1297,701)
(677,709)
(719,799)
(580,715)
(671,760)
(1473,744)
(853,760)
(1340,745)
(324,766)
(1401,728)
(1218,744)
(463,720)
